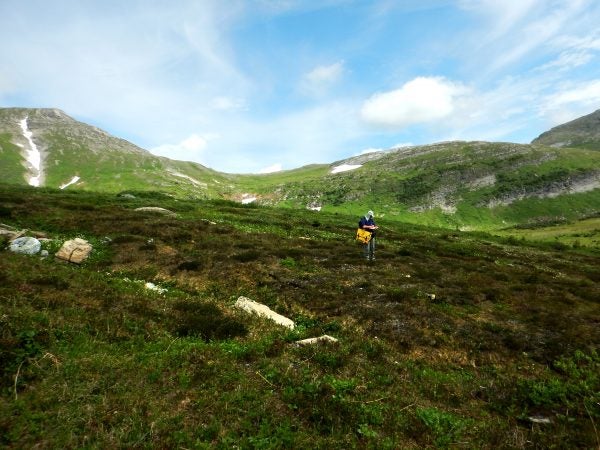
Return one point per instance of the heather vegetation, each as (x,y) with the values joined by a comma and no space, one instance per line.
(448,339)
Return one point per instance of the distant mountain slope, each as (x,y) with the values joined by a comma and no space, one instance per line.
(583,132)
(457,184)
(466,185)
(82,156)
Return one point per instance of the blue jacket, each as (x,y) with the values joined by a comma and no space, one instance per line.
(364,221)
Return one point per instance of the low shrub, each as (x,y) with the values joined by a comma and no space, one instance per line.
(205,320)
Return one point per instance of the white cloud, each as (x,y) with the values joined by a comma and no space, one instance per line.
(319,134)
(147,72)
(568,60)
(228,104)
(326,74)
(277,167)
(190,149)
(512,32)
(421,100)
(504,15)
(574,51)
(321,78)
(587,93)
(572,101)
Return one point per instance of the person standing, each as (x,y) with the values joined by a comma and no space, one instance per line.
(367,223)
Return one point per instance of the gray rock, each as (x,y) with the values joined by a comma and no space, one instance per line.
(156,209)
(44,253)
(25,245)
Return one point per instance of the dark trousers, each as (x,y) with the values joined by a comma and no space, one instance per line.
(369,249)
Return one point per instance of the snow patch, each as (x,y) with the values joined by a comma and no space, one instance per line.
(193,180)
(247,198)
(74,180)
(345,168)
(33,155)
(271,169)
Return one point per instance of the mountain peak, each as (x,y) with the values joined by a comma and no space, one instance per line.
(583,132)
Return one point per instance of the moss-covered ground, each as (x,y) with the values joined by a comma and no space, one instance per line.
(448,339)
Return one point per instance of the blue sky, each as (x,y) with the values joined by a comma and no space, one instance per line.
(259,85)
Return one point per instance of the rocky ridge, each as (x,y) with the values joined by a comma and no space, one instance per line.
(581,132)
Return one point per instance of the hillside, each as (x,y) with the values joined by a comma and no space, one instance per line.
(471,185)
(447,339)
(101,162)
(583,132)
(455,185)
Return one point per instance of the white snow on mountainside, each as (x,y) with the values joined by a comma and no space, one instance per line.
(74,180)
(33,155)
(345,168)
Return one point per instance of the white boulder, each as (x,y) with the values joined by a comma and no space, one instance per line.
(25,245)
(317,340)
(264,311)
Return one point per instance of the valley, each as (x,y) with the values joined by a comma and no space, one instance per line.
(476,326)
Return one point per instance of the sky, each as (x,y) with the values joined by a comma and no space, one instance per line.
(253,86)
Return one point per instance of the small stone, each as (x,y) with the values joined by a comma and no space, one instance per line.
(540,419)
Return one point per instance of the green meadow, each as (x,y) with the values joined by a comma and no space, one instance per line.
(449,339)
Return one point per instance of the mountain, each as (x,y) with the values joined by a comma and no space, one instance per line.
(451,184)
(465,185)
(583,132)
(73,154)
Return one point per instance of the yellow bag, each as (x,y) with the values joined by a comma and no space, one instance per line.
(363,236)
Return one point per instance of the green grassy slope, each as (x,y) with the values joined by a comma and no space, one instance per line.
(90,358)
(459,184)
(103,162)
(11,168)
